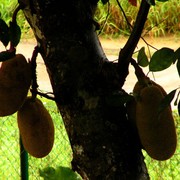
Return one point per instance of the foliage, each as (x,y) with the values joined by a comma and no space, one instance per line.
(60,172)
(7,8)
(159,61)
(111,18)
(142,58)
(11,33)
(61,155)
(162,59)
(163,19)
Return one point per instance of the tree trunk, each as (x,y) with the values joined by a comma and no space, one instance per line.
(85,85)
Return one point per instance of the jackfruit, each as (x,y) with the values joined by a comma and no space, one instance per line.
(36,128)
(15,81)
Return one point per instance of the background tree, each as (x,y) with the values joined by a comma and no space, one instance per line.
(88,89)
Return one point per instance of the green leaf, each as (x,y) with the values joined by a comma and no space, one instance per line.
(162,0)
(179,108)
(50,173)
(161,59)
(178,67)
(4,33)
(167,100)
(5,55)
(177,54)
(67,173)
(142,59)
(15,33)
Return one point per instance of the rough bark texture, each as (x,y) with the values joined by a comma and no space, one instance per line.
(85,85)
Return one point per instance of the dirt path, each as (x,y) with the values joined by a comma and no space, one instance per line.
(168,78)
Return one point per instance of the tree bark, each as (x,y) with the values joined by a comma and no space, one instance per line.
(85,85)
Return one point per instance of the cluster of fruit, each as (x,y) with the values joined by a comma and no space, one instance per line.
(155,125)
(34,121)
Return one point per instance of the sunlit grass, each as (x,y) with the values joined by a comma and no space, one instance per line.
(61,154)
(163,19)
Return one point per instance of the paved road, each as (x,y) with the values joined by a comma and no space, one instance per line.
(168,78)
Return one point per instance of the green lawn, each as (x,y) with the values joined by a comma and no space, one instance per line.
(61,154)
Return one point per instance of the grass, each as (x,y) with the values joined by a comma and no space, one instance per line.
(163,19)
(61,153)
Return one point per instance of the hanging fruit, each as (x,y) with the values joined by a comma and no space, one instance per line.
(156,128)
(36,128)
(15,81)
(155,125)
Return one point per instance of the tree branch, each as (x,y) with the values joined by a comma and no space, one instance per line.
(126,53)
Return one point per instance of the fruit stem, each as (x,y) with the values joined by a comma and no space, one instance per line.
(12,48)
(43,94)
(142,78)
(15,13)
(138,70)
(33,70)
